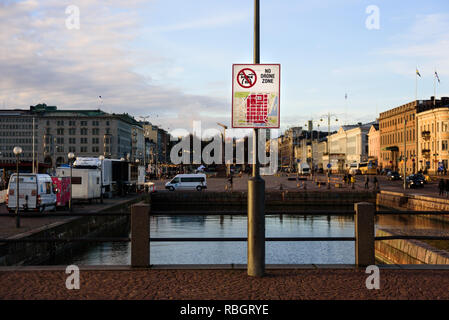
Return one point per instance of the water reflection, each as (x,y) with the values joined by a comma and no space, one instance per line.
(285,225)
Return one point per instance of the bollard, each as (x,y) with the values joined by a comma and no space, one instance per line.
(364,234)
(140,235)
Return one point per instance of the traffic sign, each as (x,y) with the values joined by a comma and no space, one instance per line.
(256,95)
(329,165)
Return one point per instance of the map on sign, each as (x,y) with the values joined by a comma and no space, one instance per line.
(255,96)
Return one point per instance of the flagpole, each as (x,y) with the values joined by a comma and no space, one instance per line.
(435,87)
(416,83)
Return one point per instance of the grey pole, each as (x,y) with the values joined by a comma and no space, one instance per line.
(256,188)
(17,194)
(70,200)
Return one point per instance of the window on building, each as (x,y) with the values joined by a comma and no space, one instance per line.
(83,123)
(72,131)
(444,145)
(83,140)
(60,131)
(95,140)
(72,140)
(95,123)
(83,149)
(72,149)
(60,122)
(95,131)
(60,140)
(83,131)
(95,149)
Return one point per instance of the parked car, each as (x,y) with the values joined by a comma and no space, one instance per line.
(425,178)
(36,193)
(393,175)
(414,181)
(187,182)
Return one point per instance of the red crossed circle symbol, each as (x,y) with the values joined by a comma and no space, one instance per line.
(249,76)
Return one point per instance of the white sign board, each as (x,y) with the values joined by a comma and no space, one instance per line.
(256,95)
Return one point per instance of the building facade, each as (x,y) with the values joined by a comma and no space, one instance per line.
(86,133)
(399,136)
(374,143)
(433,140)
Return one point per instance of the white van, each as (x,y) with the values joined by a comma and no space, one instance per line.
(36,193)
(303,168)
(187,182)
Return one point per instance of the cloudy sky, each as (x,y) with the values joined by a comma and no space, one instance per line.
(172,60)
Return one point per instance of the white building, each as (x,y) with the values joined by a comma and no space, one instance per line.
(348,145)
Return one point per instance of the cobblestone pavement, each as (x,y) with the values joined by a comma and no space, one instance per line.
(226,284)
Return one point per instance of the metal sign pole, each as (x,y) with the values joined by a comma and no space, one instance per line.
(256,187)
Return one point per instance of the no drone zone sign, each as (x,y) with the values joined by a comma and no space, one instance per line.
(255,95)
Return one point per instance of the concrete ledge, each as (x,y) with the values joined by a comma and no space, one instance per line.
(224,267)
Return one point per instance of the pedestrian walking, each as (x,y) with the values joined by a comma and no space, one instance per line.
(446,187)
(376,183)
(366,182)
(349,179)
(353,181)
(230,182)
(441,187)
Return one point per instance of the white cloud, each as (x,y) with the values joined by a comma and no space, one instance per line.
(42,61)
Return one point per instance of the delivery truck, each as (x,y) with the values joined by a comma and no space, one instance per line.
(85,182)
(106,171)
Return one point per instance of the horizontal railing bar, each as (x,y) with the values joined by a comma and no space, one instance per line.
(117,239)
(155,213)
(305,213)
(211,239)
(411,238)
(245,239)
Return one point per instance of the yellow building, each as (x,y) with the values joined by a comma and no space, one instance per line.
(433,139)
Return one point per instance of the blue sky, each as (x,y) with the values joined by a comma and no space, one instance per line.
(172,60)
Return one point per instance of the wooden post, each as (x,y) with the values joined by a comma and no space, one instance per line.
(364,234)
(140,235)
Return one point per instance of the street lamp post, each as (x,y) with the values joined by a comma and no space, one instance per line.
(71,156)
(329,116)
(101,158)
(17,151)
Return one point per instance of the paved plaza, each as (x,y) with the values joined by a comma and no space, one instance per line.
(290,284)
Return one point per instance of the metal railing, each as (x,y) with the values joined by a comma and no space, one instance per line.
(140,239)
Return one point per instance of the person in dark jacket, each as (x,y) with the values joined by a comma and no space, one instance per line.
(367,182)
(441,187)
(446,187)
